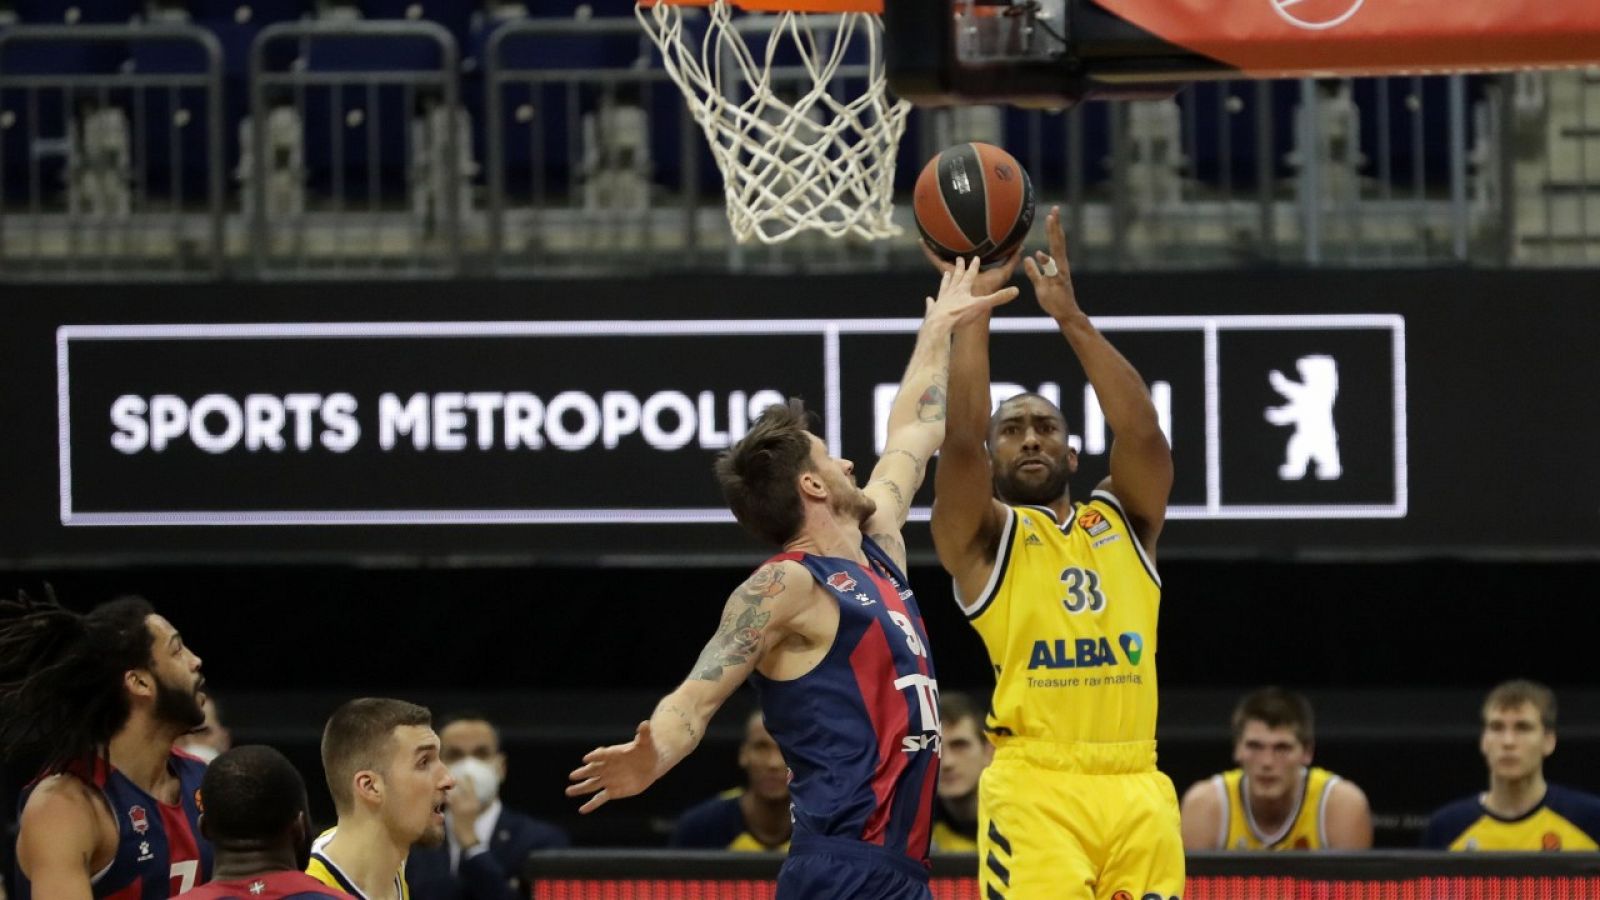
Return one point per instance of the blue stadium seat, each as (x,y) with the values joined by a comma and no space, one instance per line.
(340,54)
(166,57)
(62,57)
(67,12)
(1231,108)
(566,9)
(1406,106)
(374,139)
(455,15)
(22,123)
(258,13)
(170,151)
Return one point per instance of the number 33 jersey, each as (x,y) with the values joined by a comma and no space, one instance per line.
(860,732)
(1069,619)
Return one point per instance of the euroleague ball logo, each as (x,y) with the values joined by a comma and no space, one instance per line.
(1316,15)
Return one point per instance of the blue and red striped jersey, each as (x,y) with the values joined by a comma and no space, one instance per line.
(160,852)
(268,886)
(860,732)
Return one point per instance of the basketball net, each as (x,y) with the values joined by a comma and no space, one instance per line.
(804,161)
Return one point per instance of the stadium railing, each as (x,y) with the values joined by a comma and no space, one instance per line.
(111,162)
(117,146)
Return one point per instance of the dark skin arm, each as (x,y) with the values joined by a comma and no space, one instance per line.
(1141,460)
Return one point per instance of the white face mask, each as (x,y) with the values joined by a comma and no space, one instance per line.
(206,753)
(482,775)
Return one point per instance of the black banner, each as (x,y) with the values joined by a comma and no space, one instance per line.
(314,421)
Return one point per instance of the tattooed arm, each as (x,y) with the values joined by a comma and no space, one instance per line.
(916,421)
(755,618)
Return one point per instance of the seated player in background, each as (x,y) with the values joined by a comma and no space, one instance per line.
(486,843)
(211,739)
(1520,810)
(1275,800)
(755,817)
(100,698)
(966,752)
(390,790)
(256,817)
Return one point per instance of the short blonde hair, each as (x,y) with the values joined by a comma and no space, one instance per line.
(1514,693)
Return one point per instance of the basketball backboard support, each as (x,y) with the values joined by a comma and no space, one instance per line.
(1058,52)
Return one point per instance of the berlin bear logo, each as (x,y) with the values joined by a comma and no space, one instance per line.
(1308,406)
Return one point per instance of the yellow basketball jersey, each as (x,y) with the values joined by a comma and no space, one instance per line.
(326,871)
(1564,820)
(1305,829)
(1069,619)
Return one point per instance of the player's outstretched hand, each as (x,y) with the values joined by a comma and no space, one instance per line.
(1051,277)
(611,773)
(959,300)
(989,280)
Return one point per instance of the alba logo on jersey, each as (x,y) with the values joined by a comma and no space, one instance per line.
(1085,653)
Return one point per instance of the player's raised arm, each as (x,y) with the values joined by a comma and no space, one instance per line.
(753,619)
(917,419)
(967,519)
(1141,460)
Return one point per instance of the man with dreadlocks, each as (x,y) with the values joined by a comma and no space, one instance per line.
(100,697)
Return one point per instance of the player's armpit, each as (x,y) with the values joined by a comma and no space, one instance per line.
(1202,817)
(1348,818)
(56,841)
(1146,513)
(755,612)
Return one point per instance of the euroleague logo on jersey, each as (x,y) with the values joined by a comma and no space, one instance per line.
(1316,15)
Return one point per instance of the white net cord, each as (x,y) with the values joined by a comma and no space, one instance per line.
(813,162)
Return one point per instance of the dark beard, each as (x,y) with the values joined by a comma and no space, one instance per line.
(1013,490)
(179,708)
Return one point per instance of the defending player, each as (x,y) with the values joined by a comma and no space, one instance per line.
(1065,596)
(829,634)
(101,697)
(255,816)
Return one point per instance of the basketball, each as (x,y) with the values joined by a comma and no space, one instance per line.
(973,200)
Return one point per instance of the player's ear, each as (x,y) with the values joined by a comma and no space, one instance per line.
(139,682)
(812,485)
(1549,741)
(300,839)
(368,786)
(205,828)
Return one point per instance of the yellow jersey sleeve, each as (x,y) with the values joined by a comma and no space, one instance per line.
(1068,617)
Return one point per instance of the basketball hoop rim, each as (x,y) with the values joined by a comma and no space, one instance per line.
(871,7)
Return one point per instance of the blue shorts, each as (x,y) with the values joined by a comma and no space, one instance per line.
(827,868)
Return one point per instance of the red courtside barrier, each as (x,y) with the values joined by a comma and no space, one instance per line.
(1377,875)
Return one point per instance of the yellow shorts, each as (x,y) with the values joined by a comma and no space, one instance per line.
(1077,822)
